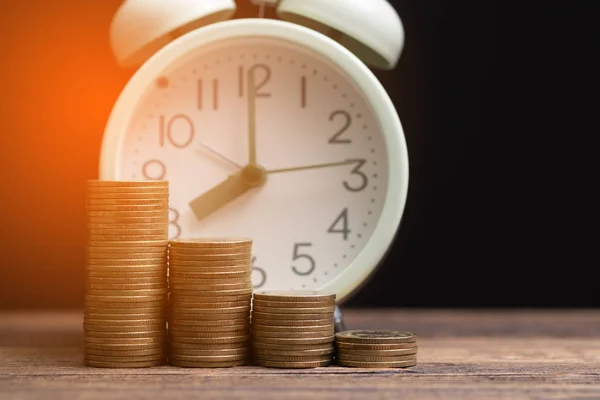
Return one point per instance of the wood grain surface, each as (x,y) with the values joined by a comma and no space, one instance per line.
(462,355)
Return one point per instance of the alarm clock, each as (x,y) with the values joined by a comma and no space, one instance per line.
(273,129)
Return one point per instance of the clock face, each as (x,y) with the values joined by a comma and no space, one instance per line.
(315,136)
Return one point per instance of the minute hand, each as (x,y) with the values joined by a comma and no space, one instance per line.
(314,166)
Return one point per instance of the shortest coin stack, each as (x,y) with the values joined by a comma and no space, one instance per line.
(376,349)
(293,329)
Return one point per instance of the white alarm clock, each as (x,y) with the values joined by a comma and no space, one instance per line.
(275,130)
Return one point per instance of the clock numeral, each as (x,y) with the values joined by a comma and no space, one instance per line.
(344,115)
(174,222)
(154,170)
(303,92)
(297,255)
(179,131)
(342,220)
(260,273)
(215,94)
(363,177)
(258,71)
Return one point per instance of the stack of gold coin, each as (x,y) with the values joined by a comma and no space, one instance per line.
(293,329)
(376,349)
(209,305)
(126,273)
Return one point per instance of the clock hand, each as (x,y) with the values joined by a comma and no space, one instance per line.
(218,154)
(251,118)
(228,190)
(314,166)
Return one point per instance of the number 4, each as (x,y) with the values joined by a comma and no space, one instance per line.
(342,219)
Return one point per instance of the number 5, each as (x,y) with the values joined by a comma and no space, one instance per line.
(297,255)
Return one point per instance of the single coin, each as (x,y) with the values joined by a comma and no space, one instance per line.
(199,302)
(233,258)
(124,286)
(129,220)
(126,207)
(209,282)
(206,324)
(96,357)
(293,358)
(293,364)
(239,352)
(128,189)
(199,332)
(238,252)
(265,304)
(157,326)
(139,275)
(153,347)
(145,341)
(111,238)
(364,358)
(375,336)
(290,322)
(214,317)
(290,347)
(126,318)
(125,298)
(124,262)
(303,340)
(211,305)
(211,242)
(124,228)
(93,202)
(125,335)
(129,256)
(160,303)
(159,229)
(285,311)
(366,364)
(87,321)
(269,316)
(160,213)
(176,272)
(193,289)
(128,196)
(199,313)
(126,183)
(211,358)
(284,335)
(208,340)
(129,309)
(189,295)
(265,353)
(112,364)
(221,330)
(295,329)
(205,364)
(294,295)
(129,243)
(124,353)
(156,279)
(141,292)
(192,265)
(380,353)
(183,348)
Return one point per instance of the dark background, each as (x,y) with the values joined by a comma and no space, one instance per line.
(486,94)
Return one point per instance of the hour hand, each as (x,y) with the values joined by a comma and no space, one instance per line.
(225,192)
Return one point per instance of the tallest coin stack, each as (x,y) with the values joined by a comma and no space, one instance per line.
(126,273)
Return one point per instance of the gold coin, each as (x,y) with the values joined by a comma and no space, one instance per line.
(295,296)
(212,305)
(364,358)
(208,340)
(129,244)
(213,299)
(94,202)
(122,262)
(161,229)
(126,183)
(286,311)
(112,364)
(124,353)
(291,347)
(126,255)
(209,293)
(217,316)
(97,307)
(211,358)
(269,316)
(366,364)
(192,265)
(112,238)
(125,286)
(222,330)
(124,273)
(128,196)
(205,364)
(125,299)
(157,214)
(290,322)
(199,313)
(123,329)
(185,347)
(225,323)
(293,364)
(127,189)
(177,319)
(233,258)
(289,304)
(291,335)
(211,242)
(87,320)
(125,335)
(124,221)
(156,279)
(114,341)
(200,333)
(125,317)
(294,358)
(266,353)
(153,347)
(375,347)
(283,329)
(375,336)
(208,282)
(303,340)
(127,207)
(118,293)
(243,351)
(177,273)
(237,251)
(191,288)
(96,357)
(115,227)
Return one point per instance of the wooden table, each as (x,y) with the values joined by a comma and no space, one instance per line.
(462,355)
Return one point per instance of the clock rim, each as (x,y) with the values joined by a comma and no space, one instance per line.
(353,277)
